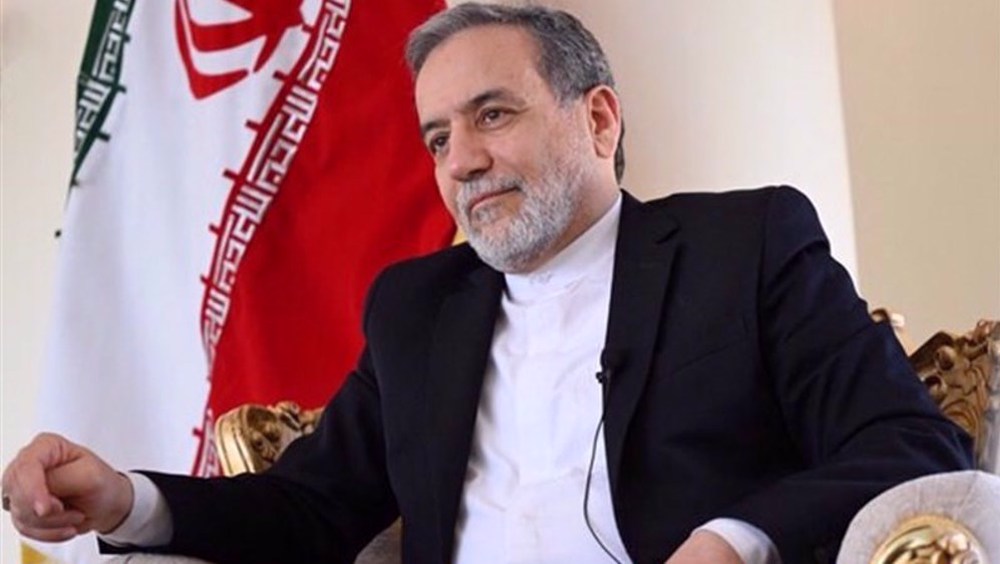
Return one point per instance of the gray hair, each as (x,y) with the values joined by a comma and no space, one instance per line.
(570,59)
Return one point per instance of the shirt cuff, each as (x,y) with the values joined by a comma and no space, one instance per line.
(752,544)
(149,523)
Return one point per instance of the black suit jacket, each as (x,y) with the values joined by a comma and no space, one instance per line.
(751,384)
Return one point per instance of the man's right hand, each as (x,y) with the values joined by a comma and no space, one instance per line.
(56,490)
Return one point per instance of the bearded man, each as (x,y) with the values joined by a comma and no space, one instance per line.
(746,407)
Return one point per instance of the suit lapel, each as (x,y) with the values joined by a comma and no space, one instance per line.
(464,332)
(643,260)
(459,352)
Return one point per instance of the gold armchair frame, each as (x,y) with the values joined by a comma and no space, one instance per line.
(251,437)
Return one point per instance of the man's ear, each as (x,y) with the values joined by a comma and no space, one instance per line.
(604,118)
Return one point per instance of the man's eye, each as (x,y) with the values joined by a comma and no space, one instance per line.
(437,143)
(492,115)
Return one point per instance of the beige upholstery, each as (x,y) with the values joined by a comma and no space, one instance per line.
(902,522)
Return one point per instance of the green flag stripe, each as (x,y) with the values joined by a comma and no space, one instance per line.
(99,81)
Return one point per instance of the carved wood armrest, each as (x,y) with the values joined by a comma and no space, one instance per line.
(251,437)
(962,374)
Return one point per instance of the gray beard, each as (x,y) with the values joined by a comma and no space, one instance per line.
(546,211)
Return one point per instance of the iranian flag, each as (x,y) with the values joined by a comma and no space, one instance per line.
(244,168)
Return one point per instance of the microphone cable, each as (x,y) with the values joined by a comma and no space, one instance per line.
(609,360)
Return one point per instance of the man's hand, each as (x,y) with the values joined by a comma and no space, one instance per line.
(705,546)
(56,489)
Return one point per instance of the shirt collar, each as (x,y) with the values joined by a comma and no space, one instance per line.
(593,251)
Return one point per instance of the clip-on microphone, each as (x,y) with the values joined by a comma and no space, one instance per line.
(611,360)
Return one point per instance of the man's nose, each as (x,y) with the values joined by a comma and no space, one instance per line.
(468,157)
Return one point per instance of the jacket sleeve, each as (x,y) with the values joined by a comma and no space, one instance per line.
(323,501)
(860,418)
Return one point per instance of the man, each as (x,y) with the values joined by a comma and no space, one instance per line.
(747,406)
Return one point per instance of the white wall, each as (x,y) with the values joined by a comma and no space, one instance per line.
(41,50)
(921,86)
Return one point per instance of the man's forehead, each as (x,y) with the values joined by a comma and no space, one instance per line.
(474,61)
(495,41)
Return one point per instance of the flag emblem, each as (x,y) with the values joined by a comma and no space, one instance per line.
(267,20)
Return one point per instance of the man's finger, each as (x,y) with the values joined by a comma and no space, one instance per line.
(25,510)
(25,479)
(46,535)
(60,519)
(23,493)
(48,505)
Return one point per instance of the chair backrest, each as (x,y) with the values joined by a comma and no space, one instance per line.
(962,374)
(251,437)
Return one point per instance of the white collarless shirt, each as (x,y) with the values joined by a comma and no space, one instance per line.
(539,409)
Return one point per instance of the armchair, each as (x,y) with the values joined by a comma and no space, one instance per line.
(951,518)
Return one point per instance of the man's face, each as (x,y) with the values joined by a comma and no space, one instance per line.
(512,163)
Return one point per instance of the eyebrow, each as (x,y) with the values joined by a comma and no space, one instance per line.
(470,106)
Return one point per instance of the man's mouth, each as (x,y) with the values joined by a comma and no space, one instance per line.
(487,196)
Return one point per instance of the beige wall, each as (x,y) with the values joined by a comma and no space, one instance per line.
(921,88)
(921,91)
(722,94)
